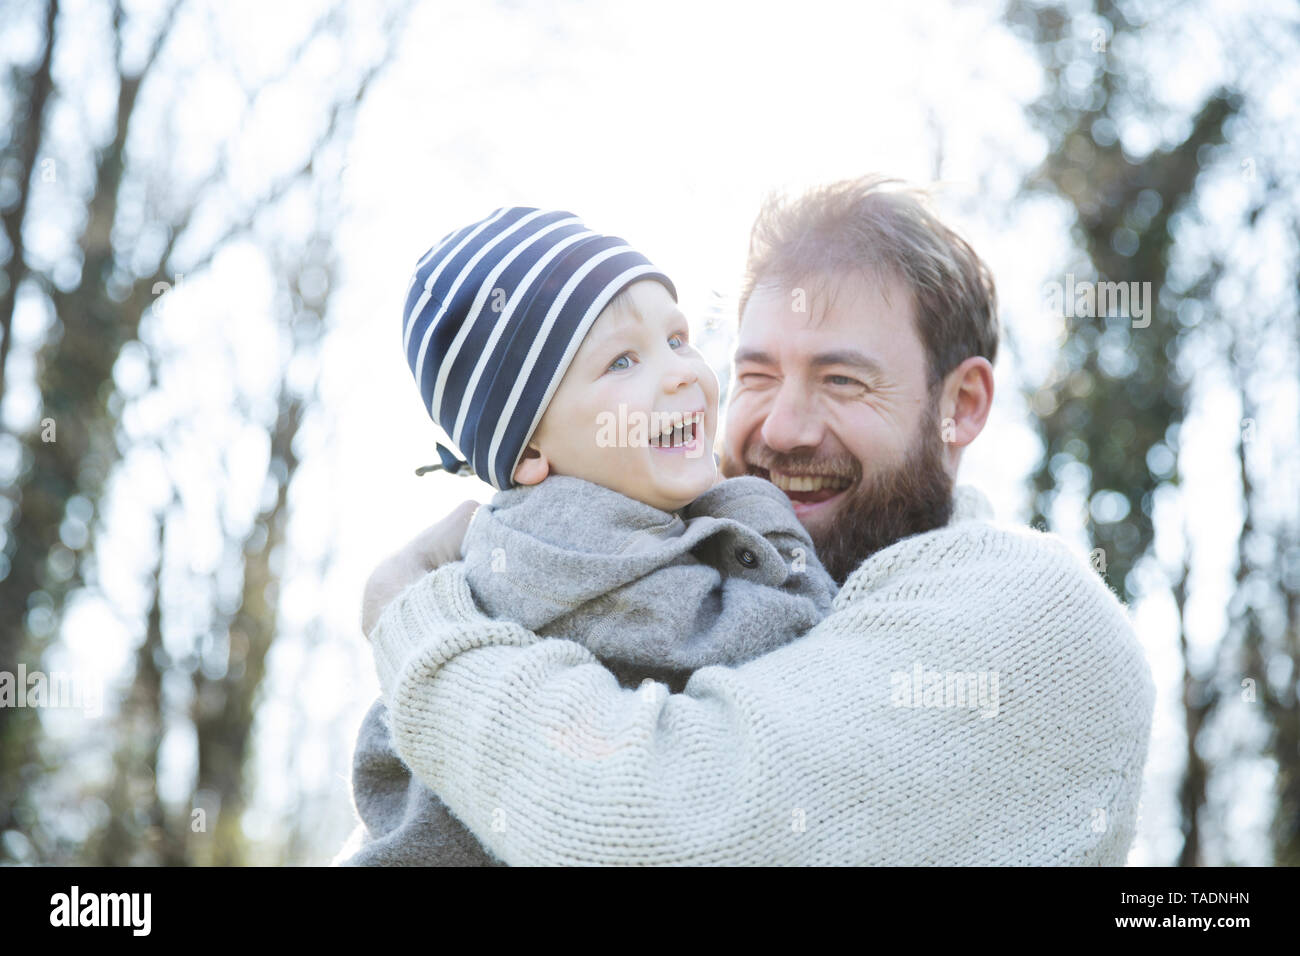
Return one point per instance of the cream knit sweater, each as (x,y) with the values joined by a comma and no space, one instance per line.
(977,696)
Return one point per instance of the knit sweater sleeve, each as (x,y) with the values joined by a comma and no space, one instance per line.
(854,744)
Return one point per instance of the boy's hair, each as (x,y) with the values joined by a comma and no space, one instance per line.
(877,226)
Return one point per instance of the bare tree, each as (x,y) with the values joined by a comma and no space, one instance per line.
(69,457)
(1121,420)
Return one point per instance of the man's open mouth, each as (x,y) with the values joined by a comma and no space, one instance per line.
(805,488)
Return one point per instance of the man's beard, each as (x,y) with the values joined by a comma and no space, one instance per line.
(909,499)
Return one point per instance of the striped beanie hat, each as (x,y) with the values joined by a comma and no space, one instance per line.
(494,315)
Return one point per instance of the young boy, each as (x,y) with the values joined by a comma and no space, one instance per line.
(559,360)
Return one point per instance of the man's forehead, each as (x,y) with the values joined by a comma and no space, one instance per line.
(841,293)
(848,310)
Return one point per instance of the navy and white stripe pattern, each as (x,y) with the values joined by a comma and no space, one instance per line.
(493,317)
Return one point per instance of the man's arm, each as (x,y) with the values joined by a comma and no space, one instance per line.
(433,547)
(833,749)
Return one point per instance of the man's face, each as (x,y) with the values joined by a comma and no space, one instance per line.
(831,405)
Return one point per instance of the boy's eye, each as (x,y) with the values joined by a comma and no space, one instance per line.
(678,338)
(626,362)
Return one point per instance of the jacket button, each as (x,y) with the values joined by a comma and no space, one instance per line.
(746,557)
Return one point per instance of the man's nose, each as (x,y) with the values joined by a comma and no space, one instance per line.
(791,421)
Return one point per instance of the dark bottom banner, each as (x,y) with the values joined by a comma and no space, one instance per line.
(212,907)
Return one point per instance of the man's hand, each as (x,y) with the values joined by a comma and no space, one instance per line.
(437,545)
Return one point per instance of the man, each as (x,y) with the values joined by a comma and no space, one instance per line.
(977,695)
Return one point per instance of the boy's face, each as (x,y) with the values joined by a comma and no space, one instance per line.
(633,374)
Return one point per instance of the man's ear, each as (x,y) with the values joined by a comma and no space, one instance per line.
(967,405)
(533,467)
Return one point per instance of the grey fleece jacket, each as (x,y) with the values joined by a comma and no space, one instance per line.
(653,594)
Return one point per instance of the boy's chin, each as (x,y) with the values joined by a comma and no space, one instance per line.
(686,487)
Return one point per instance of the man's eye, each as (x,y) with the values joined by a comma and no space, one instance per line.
(615,365)
(844,380)
(754,379)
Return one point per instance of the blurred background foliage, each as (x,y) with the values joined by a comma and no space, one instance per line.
(132,219)
(110,233)
(1113,410)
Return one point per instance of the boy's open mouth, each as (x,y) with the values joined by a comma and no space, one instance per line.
(679,436)
(805,489)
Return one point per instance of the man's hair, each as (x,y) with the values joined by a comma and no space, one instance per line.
(879,227)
